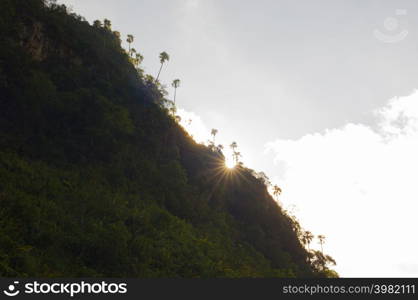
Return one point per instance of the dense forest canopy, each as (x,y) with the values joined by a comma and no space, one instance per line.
(98,179)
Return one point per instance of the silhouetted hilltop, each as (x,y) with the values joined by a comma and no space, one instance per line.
(98,179)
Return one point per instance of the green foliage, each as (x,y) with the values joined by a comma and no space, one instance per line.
(96,179)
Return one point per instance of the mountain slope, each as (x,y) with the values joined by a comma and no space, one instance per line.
(97,179)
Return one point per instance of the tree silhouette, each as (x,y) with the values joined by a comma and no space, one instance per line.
(211,145)
(138,59)
(236,156)
(130,40)
(321,239)
(233,146)
(132,51)
(97,23)
(117,34)
(107,24)
(307,238)
(163,58)
(263,178)
(320,262)
(175,84)
(213,133)
(276,191)
(172,109)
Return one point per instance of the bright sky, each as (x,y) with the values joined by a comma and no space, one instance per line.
(319,94)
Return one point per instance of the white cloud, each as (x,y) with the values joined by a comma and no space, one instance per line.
(194,125)
(358,186)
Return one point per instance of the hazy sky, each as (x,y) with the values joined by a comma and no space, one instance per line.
(317,93)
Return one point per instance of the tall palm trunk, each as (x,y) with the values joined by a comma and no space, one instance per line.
(175,91)
(158,76)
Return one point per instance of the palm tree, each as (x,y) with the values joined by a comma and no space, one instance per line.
(321,239)
(138,59)
(213,133)
(276,191)
(130,39)
(307,238)
(132,51)
(233,147)
(163,58)
(237,155)
(107,24)
(175,84)
(172,109)
(117,34)
(97,23)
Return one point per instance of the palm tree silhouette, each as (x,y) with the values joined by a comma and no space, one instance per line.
(233,147)
(117,34)
(130,39)
(276,191)
(97,23)
(175,84)
(237,155)
(107,24)
(307,238)
(321,239)
(163,58)
(138,59)
(132,51)
(213,133)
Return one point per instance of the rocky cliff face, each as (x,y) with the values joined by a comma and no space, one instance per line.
(34,42)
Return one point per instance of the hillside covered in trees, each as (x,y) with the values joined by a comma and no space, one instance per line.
(97,178)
